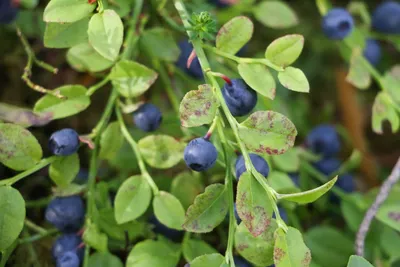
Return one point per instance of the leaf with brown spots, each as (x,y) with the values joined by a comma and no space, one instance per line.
(253,204)
(389,214)
(268,132)
(23,117)
(198,107)
(384,110)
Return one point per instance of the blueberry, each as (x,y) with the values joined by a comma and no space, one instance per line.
(258,162)
(169,233)
(239,97)
(82,177)
(195,68)
(147,118)
(8,12)
(386,18)
(337,24)
(65,243)
(240,262)
(69,259)
(64,142)
(327,166)
(346,183)
(200,154)
(66,213)
(372,51)
(324,140)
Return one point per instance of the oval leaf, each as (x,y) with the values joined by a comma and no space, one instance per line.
(94,238)
(208,210)
(234,34)
(22,116)
(195,248)
(111,141)
(104,259)
(281,182)
(169,210)
(132,199)
(285,50)
(258,77)
(67,10)
(186,187)
(64,169)
(357,261)
(287,162)
(160,43)
(389,214)
(19,149)
(66,35)
(358,73)
(294,79)
(209,260)
(83,57)
(383,110)
(275,14)
(268,132)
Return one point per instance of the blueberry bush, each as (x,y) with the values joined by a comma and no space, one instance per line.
(199,133)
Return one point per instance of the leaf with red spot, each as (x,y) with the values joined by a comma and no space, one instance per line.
(268,132)
(253,204)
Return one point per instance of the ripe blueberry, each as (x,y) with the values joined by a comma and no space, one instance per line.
(337,24)
(372,51)
(386,18)
(327,166)
(147,117)
(65,243)
(324,140)
(195,68)
(7,12)
(66,213)
(161,229)
(239,97)
(64,142)
(240,262)
(258,162)
(200,154)
(69,259)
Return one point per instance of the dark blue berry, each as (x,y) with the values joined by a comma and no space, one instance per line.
(386,18)
(64,142)
(69,259)
(66,213)
(337,24)
(147,118)
(239,97)
(161,229)
(195,68)
(240,262)
(65,243)
(8,12)
(259,164)
(324,140)
(200,154)
(346,183)
(372,51)
(327,166)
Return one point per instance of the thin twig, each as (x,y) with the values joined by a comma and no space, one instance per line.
(369,216)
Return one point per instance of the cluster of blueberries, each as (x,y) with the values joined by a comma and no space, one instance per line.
(8,12)
(338,23)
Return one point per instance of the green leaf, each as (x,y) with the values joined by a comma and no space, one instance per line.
(294,79)
(267,132)
(111,141)
(209,260)
(122,7)
(69,190)
(154,253)
(357,261)
(208,210)
(290,250)
(161,151)
(66,35)
(389,214)
(106,33)
(12,215)
(83,57)
(160,43)
(22,116)
(198,107)
(75,102)
(391,81)
(281,182)
(132,79)
(64,169)
(257,250)
(253,204)
(258,77)
(169,210)
(94,238)
(234,34)
(287,162)
(19,149)
(193,248)
(285,50)
(186,187)
(310,195)
(104,259)
(275,14)
(383,110)
(132,199)
(62,11)
(358,74)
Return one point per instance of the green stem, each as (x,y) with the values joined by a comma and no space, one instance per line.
(31,251)
(92,89)
(38,203)
(37,237)
(31,225)
(131,37)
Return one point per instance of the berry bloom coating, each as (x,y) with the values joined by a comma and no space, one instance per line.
(161,229)
(324,140)
(66,213)
(258,162)
(372,51)
(327,166)
(240,262)
(8,12)
(195,68)
(64,142)
(239,97)
(386,17)
(337,24)
(65,243)
(200,154)
(69,259)
(147,118)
